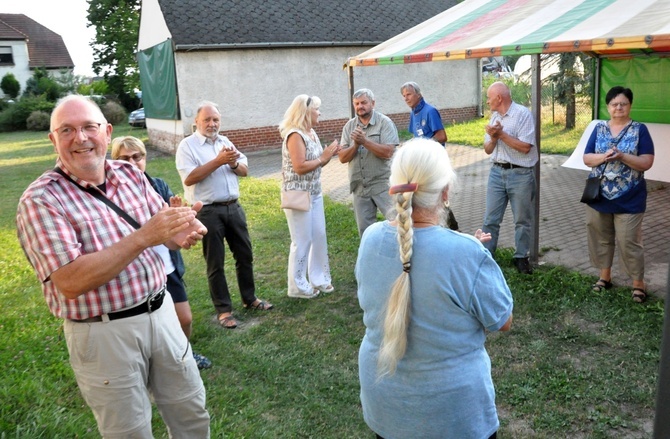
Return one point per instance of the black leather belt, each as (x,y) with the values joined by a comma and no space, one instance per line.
(148,306)
(223,203)
(509,165)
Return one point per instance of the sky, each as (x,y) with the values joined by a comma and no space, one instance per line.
(67,18)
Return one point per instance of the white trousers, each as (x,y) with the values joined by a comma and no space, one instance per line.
(308,257)
(123,364)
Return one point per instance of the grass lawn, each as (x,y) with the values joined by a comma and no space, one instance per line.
(576,364)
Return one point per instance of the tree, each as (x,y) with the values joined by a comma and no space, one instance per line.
(573,76)
(10,85)
(42,84)
(117,24)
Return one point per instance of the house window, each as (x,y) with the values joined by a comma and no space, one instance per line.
(6,56)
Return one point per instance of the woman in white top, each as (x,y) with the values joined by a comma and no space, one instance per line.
(302,159)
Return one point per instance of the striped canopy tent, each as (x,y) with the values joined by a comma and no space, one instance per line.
(630,40)
(483,28)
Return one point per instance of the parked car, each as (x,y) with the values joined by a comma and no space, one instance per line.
(136,118)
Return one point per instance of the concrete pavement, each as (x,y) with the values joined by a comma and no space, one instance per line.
(562,216)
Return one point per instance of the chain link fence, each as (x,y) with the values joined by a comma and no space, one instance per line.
(553,112)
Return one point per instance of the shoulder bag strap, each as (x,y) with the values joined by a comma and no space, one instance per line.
(97,194)
(619,137)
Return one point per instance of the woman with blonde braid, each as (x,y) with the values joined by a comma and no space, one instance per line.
(429,295)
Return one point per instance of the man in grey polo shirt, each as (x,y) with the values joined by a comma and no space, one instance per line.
(368,143)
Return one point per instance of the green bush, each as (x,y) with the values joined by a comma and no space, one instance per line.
(42,84)
(114,112)
(10,85)
(14,117)
(38,121)
(98,87)
(519,89)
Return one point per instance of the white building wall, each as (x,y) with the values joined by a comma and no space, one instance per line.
(254,87)
(20,68)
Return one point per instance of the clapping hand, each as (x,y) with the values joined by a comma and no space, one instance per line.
(193,233)
(495,130)
(482,236)
(228,156)
(358,136)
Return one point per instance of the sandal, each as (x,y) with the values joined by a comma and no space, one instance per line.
(301,295)
(261,305)
(639,295)
(228,322)
(602,284)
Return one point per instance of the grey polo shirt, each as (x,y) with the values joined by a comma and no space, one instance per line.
(369,174)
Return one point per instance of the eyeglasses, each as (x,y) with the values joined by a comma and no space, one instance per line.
(619,104)
(309,101)
(68,133)
(135,157)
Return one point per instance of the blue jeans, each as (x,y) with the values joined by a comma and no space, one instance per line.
(516,186)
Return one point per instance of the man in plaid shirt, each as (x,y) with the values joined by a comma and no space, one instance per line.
(100,274)
(510,141)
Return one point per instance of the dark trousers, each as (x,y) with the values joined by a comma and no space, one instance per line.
(229,223)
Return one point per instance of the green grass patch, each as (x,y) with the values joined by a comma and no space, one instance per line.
(555,139)
(576,363)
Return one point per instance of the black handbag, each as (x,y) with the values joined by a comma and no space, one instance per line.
(592,190)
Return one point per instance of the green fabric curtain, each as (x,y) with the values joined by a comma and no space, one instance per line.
(158,81)
(647,77)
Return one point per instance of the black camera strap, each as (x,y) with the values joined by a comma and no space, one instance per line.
(97,194)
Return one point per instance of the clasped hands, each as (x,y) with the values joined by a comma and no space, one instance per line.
(358,136)
(494,131)
(228,156)
(176,224)
(613,154)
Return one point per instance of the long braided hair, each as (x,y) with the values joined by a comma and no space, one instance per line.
(420,172)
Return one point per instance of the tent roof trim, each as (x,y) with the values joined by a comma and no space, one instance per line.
(482,28)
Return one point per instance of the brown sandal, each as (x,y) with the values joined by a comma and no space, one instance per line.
(262,305)
(639,295)
(602,284)
(228,322)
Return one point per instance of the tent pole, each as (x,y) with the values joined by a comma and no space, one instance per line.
(596,104)
(350,73)
(661,424)
(536,104)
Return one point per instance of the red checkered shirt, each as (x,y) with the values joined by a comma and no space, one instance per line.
(58,222)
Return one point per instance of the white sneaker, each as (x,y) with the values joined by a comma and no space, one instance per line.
(315,293)
(326,288)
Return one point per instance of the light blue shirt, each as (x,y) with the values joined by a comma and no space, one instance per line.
(219,186)
(443,385)
(518,123)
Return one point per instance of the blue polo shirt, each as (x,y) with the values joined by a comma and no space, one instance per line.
(425,120)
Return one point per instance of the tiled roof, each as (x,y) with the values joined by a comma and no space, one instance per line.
(293,23)
(45,48)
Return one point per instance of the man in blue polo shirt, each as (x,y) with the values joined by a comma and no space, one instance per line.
(425,121)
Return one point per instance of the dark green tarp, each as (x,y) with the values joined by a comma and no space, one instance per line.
(158,81)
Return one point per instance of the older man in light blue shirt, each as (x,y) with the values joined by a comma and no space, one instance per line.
(510,141)
(209,166)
